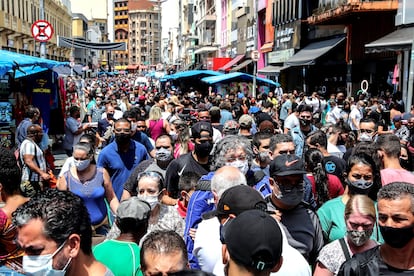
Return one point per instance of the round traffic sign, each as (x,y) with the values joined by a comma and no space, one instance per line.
(42,30)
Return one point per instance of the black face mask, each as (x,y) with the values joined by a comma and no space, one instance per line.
(359,187)
(305,122)
(405,164)
(397,237)
(122,138)
(203,149)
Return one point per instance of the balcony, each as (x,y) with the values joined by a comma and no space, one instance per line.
(340,8)
(209,18)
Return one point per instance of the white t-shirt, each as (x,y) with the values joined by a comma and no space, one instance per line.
(291,121)
(355,114)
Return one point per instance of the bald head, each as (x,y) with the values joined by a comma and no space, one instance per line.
(226,177)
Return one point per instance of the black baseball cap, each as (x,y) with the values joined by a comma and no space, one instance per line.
(199,127)
(254,239)
(286,164)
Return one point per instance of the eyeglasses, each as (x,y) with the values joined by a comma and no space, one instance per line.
(369,131)
(152,174)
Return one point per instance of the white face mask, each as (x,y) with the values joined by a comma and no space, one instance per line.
(243,166)
(81,165)
(152,200)
(365,137)
(133,126)
(42,265)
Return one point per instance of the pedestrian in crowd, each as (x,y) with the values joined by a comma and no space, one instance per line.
(53,229)
(361,177)
(305,127)
(91,183)
(95,112)
(163,252)
(400,130)
(73,130)
(10,195)
(163,157)
(105,127)
(252,244)
(180,133)
(231,127)
(324,186)
(155,124)
(197,161)
(150,188)
(396,223)
(121,156)
(32,115)
(332,164)
(187,186)
(246,124)
(360,218)
(225,112)
(389,148)
(286,180)
(132,220)
(261,150)
(35,174)
(406,159)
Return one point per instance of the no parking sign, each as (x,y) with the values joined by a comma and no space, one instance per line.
(42,30)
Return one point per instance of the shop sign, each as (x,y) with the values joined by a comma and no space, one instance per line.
(280,56)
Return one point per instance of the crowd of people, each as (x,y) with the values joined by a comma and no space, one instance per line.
(192,183)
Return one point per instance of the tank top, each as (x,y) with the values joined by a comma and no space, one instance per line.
(156,128)
(92,192)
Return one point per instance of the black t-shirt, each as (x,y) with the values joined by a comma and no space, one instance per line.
(334,165)
(185,163)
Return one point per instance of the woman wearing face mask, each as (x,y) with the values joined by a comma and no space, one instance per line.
(92,184)
(361,177)
(360,217)
(163,217)
(180,133)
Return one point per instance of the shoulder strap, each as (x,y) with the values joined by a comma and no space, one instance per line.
(344,249)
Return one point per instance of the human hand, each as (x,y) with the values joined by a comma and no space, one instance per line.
(192,232)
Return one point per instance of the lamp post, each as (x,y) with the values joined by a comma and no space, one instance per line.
(255,30)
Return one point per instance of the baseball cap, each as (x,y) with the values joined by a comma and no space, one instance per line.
(231,127)
(287,164)
(198,127)
(238,199)
(254,239)
(133,208)
(246,120)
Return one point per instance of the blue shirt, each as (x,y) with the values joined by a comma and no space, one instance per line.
(21,131)
(120,164)
(143,139)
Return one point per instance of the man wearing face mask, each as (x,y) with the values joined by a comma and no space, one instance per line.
(261,145)
(197,161)
(305,127)
(396,223)
(302,224)
(388,146)
(121,156)
(163,157)
(136,134)
(34,170)
(73,130)
(54,230)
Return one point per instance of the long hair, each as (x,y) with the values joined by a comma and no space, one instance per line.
(313,160)
(155,113)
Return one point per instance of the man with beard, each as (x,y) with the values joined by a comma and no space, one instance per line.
(121,156)
(73,130)
(305,127)
(163,157)
(396,223)
(34,170)
(197,161)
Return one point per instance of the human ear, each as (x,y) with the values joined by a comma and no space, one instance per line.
(278,265)
(74,245)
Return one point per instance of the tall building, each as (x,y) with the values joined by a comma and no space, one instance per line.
(145,33)
(120,58)
(17,17)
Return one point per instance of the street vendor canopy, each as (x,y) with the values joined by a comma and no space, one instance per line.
(236,76)
(24,64)
(192,73)
(399,40)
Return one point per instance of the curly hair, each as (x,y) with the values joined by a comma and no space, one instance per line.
(62,213)
(10,174)
(228,144)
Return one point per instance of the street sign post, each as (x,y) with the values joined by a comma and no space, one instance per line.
(42,30)
(255,55)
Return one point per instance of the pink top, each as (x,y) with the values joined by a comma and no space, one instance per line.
(177,149)
(396,175)
(156,128)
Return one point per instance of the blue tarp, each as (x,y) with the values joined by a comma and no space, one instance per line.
(10,61)
(28,70)
(192,73)
(236,76)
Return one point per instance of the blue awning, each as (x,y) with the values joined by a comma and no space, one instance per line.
(11,61)
(236,76)
(28,70)
(192,73)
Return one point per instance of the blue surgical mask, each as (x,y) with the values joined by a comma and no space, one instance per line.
(243,166)
(81,165)
(42,265)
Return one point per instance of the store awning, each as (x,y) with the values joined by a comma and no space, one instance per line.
(205,49)
(231,63)
(399,40)
(241,65)
(310,53)
(236,76)
(267,47)
(272,70)
(193,73)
